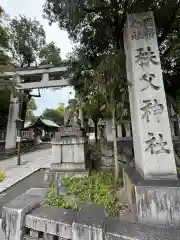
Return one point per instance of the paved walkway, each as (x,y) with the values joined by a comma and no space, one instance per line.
(30,163)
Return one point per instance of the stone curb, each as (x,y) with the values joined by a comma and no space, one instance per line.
(12,183)
(13,213)
(25,218)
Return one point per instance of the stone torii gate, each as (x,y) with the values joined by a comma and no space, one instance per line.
(46,76)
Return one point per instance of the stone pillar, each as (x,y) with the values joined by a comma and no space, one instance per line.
(11,132)
(11,126)
(66,115)
(45,77)
(81,112)
(127,129)
(153,146)
(119,131)
(152,186)
(108,129)
(81,116)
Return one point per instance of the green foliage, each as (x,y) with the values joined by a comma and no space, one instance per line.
(93,106)
(31,107)
(54,115)
(54,201)
(27,38)
(50,54)
(60,109)
(178,101)
(98,26)
(110,80)
(3,42)
(98,188)
(2,176)
(4,106)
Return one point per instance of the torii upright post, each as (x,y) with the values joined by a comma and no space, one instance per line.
(157,191)
(11,132)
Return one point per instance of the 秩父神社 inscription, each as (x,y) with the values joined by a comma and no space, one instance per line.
(154,155)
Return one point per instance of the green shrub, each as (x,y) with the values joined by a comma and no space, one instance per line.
(57,201)
(97,189)
(2,176)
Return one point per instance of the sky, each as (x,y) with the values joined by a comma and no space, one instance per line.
(33,9)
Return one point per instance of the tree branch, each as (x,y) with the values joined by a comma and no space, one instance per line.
(131,6)
(123,20)
(124,15)
(96,9)
(168,24)
(166,52)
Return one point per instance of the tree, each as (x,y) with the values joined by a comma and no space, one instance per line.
(103,88)
(31,107)
(98,26)
(93,108)
(4,38)
(50,54)
(3,46)
(6,86)
(60,109)
(26,39)
(111,82)
(53,115)
(4,106)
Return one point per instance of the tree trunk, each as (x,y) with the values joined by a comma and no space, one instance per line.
(116,164)
(178,125)
(96,131)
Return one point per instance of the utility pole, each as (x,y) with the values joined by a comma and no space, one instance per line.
(19,122)
(19,147)
(18,126)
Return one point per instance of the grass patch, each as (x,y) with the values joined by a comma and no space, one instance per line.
(98,188)
(2,176)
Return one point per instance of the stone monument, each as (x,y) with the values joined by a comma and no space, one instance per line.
(69,150)
(152,187)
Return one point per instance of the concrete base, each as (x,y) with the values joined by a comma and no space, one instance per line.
(153,201)
(53,176)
